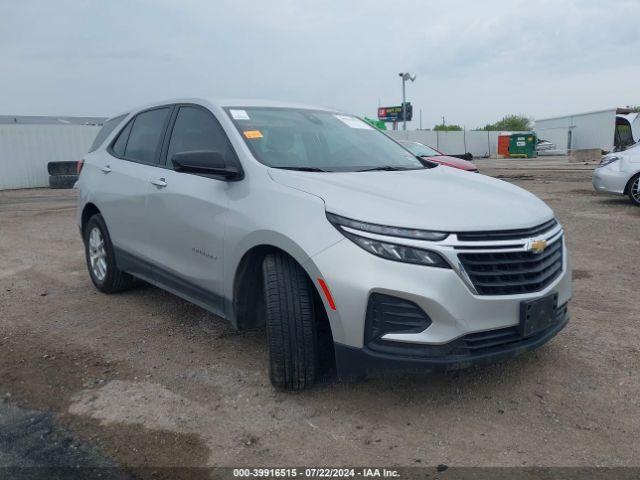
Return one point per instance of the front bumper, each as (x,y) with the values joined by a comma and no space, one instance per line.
(454,312)
(357,363)
(609,179)
(353,275)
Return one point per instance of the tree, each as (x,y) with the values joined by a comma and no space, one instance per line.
(510,123)
(447,128)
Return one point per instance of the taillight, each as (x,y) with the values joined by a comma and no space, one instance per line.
(79,166)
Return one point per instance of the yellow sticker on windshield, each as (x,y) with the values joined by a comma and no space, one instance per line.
(252,133)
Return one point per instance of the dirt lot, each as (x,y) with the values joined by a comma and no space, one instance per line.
(144,378)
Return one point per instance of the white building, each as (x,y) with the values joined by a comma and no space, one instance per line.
(27,144)
(611,129)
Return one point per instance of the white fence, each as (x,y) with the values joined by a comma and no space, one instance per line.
(480,143)
(25,151)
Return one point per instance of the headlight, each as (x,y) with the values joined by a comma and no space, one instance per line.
(390,251)
(606,160)
(338,221)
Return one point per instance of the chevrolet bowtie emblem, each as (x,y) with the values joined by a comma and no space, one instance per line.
(536,246)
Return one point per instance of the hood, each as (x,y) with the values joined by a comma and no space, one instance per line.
(632,150)
(439,198)
(454,162)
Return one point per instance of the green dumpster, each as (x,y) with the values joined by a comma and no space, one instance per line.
(523,145)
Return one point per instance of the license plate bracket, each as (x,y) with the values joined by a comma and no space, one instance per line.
(537,315)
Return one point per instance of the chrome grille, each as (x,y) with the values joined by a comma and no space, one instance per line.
(507,234)
(510,273)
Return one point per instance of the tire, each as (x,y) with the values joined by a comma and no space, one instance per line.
(290,323)
(107,277)
(62,168)
(634,190)
(62,181)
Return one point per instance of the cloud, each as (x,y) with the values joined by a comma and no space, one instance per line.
(475,61)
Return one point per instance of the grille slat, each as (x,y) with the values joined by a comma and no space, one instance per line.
(494,343)
(510,273)
(474,338)
(485,341)
(507,234)
(520,269)
(516,283)
(387,314)
(509,258)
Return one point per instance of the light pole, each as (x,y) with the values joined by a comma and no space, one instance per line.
(405,76)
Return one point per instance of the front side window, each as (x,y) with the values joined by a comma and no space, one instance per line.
(317,140)
(145,134)
(195,130)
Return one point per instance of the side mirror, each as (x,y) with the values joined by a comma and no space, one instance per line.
(204,162)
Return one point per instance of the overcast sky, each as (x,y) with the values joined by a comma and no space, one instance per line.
(475,61)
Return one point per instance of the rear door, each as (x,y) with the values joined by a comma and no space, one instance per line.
(132,159)
(186,212)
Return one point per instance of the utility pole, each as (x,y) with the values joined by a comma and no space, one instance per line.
(405,76)
(420,119)
(443,124)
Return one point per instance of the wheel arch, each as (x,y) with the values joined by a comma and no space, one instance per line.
(247,289)
(628,185)
(89,210)
(247,305)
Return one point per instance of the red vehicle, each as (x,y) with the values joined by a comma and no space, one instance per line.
(431,154)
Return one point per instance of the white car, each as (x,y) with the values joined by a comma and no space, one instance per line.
(336,239)
(619,173)
(544,145)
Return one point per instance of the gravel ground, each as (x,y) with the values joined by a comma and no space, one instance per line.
(144,378)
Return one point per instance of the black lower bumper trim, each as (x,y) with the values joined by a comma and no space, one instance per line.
(357,363)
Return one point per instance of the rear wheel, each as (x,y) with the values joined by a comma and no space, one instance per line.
(290,323)
(634,190)
(100,256)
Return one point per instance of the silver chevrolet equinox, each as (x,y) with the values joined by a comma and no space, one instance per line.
(309,222)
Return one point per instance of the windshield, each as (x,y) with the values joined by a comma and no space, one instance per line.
(421,150)
(316,140)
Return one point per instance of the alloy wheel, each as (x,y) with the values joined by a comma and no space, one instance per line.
(635,190)
(97,254)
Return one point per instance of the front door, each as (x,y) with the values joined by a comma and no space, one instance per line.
(187,213)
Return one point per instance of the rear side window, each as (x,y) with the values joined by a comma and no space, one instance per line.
(121,143)
(197,129)
(105,131)
(143,139)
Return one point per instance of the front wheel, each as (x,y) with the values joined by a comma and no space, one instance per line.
(290,323)
(105,275)
(634,190)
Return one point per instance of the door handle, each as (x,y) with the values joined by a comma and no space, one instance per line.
(106,169)
(160,182)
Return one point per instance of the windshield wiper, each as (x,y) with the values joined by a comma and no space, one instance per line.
(302,169)
(387,168)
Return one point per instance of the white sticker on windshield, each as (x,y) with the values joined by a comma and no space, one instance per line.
(354,122)
(239,114)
